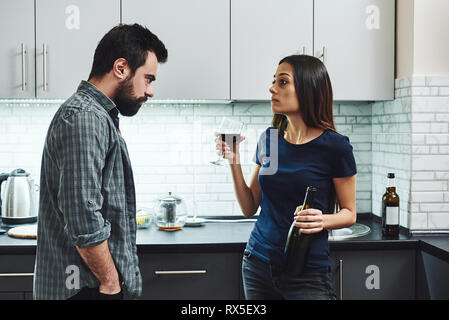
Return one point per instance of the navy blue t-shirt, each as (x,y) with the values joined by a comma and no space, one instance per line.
(286,171)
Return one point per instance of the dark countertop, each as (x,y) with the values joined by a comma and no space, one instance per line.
(222,237)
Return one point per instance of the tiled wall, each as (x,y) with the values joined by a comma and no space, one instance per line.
(391,144)
(429,196)
(170,146)
(411,138)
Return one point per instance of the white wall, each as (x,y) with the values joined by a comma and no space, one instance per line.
(422,38)
(431,37)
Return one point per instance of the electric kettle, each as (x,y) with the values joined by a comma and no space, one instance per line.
(18,197)
(171,212)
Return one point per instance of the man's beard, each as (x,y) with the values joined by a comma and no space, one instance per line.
(126,103)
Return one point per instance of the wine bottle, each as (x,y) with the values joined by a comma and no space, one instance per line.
(297,247)
(390,209)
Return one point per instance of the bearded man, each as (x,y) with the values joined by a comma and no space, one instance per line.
(86,242)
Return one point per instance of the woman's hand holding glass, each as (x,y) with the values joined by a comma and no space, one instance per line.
(228,148)
(228,137)
(309,220)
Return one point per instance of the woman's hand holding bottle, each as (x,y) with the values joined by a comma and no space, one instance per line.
(309,220)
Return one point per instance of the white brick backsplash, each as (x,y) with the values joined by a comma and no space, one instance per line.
(437,81)
(434,207)
(438,221)
(181,136)
(430,104)
(429,186)
(430,162)
(171,144)
(423,197)
(420,91)
(443,91)
(423,175)
(418,221)
(436,138)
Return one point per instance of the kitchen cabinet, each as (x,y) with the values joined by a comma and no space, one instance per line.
(16,276)
(231,52)
(374,274)
(433,277)
(59,40)
(191,276)
(356,40)
(196,35)
(262,33)
(66,42)
(17,49)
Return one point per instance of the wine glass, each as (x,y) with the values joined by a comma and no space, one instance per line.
(229,132)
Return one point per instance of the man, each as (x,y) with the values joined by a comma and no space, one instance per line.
(86,244)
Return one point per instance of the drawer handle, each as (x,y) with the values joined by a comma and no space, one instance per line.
(163,272)
(44,66)
(23,67)
(16,274)
(341,279)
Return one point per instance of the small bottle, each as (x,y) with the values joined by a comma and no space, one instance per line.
(390,209)
(297,247)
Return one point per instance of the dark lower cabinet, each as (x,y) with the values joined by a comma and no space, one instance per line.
(374,274)
(433,277)
(358,274)
(12,296)
(190,276)
(16,276)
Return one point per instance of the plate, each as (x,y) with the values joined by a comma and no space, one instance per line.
(194,222)
(24,232)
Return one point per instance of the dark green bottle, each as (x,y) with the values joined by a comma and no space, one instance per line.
(297,247)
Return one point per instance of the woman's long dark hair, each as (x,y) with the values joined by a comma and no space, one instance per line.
(314,91)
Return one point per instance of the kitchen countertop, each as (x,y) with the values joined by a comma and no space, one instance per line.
(222,237)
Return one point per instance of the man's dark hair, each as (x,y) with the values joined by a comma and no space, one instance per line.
(131,42)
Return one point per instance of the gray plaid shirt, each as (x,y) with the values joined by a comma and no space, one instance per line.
(87,195)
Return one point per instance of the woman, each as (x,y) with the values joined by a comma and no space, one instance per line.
(309,153)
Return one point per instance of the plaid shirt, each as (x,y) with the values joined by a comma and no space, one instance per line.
(87,196)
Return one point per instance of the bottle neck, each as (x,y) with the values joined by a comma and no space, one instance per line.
(391,183)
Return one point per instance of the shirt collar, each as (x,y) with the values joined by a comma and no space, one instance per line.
(101,98)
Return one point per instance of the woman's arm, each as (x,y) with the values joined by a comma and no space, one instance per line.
(248,197)
(313,220)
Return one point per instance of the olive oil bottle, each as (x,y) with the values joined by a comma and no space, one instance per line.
(390,209)
(297,247)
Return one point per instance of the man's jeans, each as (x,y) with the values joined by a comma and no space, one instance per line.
(263,281)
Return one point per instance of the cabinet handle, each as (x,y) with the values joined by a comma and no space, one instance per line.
(16,274)
(44,64)
(323,55)
(23,52)
(341,279)
(304,50)
(171,272)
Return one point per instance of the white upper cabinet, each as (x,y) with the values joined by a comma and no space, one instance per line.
(69,30)
(262,33)
(50,46)
(196,35)
(217,49)
(17,49)
(357,37)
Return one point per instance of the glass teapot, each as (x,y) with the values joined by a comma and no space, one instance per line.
(171,212)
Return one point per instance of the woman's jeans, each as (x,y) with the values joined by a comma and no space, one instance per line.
(263,281)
